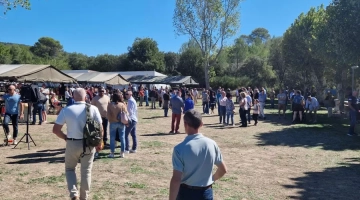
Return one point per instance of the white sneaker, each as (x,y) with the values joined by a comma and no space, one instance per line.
(126,152)
(122,155)
(111,155)
(132,151)
(15,142)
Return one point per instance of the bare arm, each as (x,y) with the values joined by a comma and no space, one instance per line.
(220,172)
(58,132)
(175,184)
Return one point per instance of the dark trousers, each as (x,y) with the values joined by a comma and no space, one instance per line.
(248,115)
(194,194)
(206,107)
(166,110)
(105,123)
(37,108)
(243,117)
(146,99)
(222,113)
(255,118)
(352,122)
(160,103)
(175,118)
(131,129)
(14,120)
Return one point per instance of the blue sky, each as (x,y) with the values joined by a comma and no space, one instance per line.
(92,28)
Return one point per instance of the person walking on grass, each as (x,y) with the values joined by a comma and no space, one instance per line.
(282,97)
(193,161)
(101,101)
(243,109)
(262,100)
(166,97)
(189,103)
(222,104)
(116,107)
(177,106)
(74,117)
(230,107)
(12,107)
(298,106)
(131,128)
(256,111)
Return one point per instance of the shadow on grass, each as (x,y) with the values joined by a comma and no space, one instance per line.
(340,182)
(327,136)
(154,117)
(160,134)
(48,156)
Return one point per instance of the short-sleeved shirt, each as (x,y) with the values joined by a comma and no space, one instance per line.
(195,157)
(74,116)
(12,104)
(176,104)
(205,97)
(298,99)
(101,103)
(282,98)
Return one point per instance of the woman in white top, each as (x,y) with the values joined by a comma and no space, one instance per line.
(67,94)
(243,109)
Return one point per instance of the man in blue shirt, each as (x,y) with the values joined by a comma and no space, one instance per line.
(189,103)
(193,161)
(176,105)
(12,107)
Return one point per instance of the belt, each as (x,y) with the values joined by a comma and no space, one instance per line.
(196,187)
(73,139)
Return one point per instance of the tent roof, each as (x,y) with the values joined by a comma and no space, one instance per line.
(111,78)
(34,73)
(171,80)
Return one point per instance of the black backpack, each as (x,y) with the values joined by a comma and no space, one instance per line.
(92,131)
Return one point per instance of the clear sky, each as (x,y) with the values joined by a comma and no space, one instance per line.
(110,26)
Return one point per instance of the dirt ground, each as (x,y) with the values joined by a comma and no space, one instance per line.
(274,160)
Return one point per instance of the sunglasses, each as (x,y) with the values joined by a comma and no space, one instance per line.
(127,94)
(10,89)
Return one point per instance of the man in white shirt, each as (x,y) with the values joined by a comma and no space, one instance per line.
(74,117)
(249,104)
(46,92)
(312,105)
(131,129)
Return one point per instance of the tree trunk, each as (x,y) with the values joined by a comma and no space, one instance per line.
(206,73)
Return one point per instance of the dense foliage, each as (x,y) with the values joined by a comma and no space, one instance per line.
(318,49)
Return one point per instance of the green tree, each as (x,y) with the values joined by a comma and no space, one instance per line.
(47,47)
(13,4)
(190,64)
(5,56)
(78,61)
(144,54)
(259,35)
(276,60)
(209,23)
(171,62)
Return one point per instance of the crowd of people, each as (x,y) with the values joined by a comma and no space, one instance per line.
(107,105)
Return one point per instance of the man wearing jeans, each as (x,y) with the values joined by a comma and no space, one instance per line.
(12,106)
(353,110)
(131,128)
(193,161)
(74,117)
(222,105)
(177,106)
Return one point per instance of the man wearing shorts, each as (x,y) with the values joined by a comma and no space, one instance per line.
(298,105)
(282,97)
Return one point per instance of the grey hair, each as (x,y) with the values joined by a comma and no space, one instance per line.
(79,94)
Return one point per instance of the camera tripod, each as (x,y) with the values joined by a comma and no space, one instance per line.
(27,134)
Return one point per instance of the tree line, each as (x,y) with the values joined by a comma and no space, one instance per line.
(318,50)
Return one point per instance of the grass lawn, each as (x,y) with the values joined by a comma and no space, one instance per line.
(274,160)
